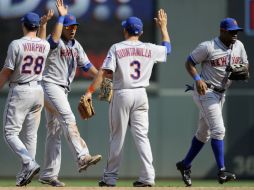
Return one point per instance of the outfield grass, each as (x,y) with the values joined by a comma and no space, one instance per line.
(128,183)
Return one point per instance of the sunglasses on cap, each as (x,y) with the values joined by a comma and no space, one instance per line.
(71,27)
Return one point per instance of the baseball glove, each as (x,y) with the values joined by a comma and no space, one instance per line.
(105,93)
(85,108)
(238,72)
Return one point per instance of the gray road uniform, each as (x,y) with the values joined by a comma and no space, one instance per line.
(26,57)
(131,63)
(214,56)
(59,73)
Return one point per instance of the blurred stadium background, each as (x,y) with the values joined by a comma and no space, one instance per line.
(173,115)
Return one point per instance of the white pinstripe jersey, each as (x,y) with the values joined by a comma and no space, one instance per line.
(132,63)
(214,57)
(26,57)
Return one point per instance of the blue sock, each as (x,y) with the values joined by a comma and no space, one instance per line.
(218,151)
(196,146)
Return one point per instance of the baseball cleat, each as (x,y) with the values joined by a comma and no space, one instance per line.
(27,178)
(225,176)
(103,184)
(52,182)
(18,182)
(19,179)
(141,184)
(85,163)
(185,173)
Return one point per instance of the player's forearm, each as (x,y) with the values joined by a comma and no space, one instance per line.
(4,76)
(96,82)
(164,34)
(56,34)
(42,31)
(93,71)
(2,82)
(161,21)
(43,24)
(192,70)
(166,40)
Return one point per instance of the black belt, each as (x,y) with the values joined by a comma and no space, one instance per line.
(215,88)
(62,86)
(24,83)
(67,88)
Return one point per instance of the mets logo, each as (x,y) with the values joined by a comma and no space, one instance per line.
(72,17)
(235,23)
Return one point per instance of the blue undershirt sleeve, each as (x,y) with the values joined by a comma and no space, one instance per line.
(167,45)
(191,60)
(86,67)
(52,43)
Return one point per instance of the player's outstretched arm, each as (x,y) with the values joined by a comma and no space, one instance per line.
(161,21)
(96,82)
(63,11)
(93,71)
(43,24)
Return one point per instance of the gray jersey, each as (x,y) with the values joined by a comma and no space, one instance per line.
(214,57)
(26,57)
(60,71)
(132,63)
(63,61)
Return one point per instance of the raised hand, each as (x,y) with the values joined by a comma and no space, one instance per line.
(43,24)
(161,19)
(47,17)
(62,9)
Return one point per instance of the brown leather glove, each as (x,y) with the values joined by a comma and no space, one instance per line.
(106,91)
(85,108)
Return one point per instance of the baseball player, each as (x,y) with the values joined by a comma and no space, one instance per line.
(65,55)
(130,63)
(23,68)
(209,94)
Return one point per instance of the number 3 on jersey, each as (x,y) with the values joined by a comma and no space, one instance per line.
(136,73)
(29,61)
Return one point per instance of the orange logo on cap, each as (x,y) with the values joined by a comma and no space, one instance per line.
(72,17)
(235,22)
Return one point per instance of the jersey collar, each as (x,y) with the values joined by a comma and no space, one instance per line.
(220,44)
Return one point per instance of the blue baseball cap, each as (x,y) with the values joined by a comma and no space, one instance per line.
(230,24)
(133,25)
(31,19)
(69,20)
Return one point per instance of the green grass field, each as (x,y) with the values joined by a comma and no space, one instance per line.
(128,183)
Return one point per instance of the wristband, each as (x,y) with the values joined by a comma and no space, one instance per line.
(91,89)
(167,45)
(197,77)
(61,19)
